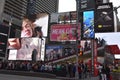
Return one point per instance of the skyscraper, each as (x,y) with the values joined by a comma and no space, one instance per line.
(14,10)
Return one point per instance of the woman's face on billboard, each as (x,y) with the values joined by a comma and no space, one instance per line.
(27,28)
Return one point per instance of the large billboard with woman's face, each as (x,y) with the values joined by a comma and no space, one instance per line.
(37,27)
(30,45)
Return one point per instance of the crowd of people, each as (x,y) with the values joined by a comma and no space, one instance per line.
(104,72)
(62,69)
(66,69)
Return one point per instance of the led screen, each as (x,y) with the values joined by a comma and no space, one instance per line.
(63,32)
(88,24)
(28,49)
(104,18)
(35,26)
(53,52)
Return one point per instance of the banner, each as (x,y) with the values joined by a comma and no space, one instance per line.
(104,20)
(63,32)
(24,48)
(53,52)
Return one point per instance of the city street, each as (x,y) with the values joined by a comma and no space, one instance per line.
(17,77)
(59,39)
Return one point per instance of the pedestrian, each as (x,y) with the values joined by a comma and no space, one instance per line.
(103,73)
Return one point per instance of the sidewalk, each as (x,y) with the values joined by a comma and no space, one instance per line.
(89,78)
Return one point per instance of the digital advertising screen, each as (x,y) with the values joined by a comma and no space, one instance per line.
(104,18)
(29,46)
(35,27)
(53,52)
(24,48)
(88,25)
(63,32)
(43,21)
(86,45)
(69,50)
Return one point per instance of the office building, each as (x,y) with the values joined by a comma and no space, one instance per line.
(14,10)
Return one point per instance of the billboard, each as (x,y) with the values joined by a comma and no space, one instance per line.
(35,26)
(86,45)
(24,48)
(63,32)
(43,21)
(32,38)
(87,28)
(59,51)
(104,18)
(53,52)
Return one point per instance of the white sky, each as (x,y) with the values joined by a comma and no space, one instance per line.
(67,5)
(110,38)
(116,3)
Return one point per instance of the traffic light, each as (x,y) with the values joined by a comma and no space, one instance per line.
(80,51)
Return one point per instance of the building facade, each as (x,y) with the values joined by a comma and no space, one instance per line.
(12,12)
(15,10)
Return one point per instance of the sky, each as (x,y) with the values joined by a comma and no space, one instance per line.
(111,38)
(116,3)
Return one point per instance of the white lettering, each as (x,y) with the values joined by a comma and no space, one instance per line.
(103,7)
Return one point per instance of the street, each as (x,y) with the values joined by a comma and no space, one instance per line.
(17,77)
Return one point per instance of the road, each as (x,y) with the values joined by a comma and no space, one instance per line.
(17,77)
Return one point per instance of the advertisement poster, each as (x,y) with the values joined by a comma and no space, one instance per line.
(35,26)
(53,52)
(63,32)
(24,48)
(104,18)
(88,25)
(31,44)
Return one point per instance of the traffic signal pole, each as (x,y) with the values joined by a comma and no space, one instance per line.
(77,37)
